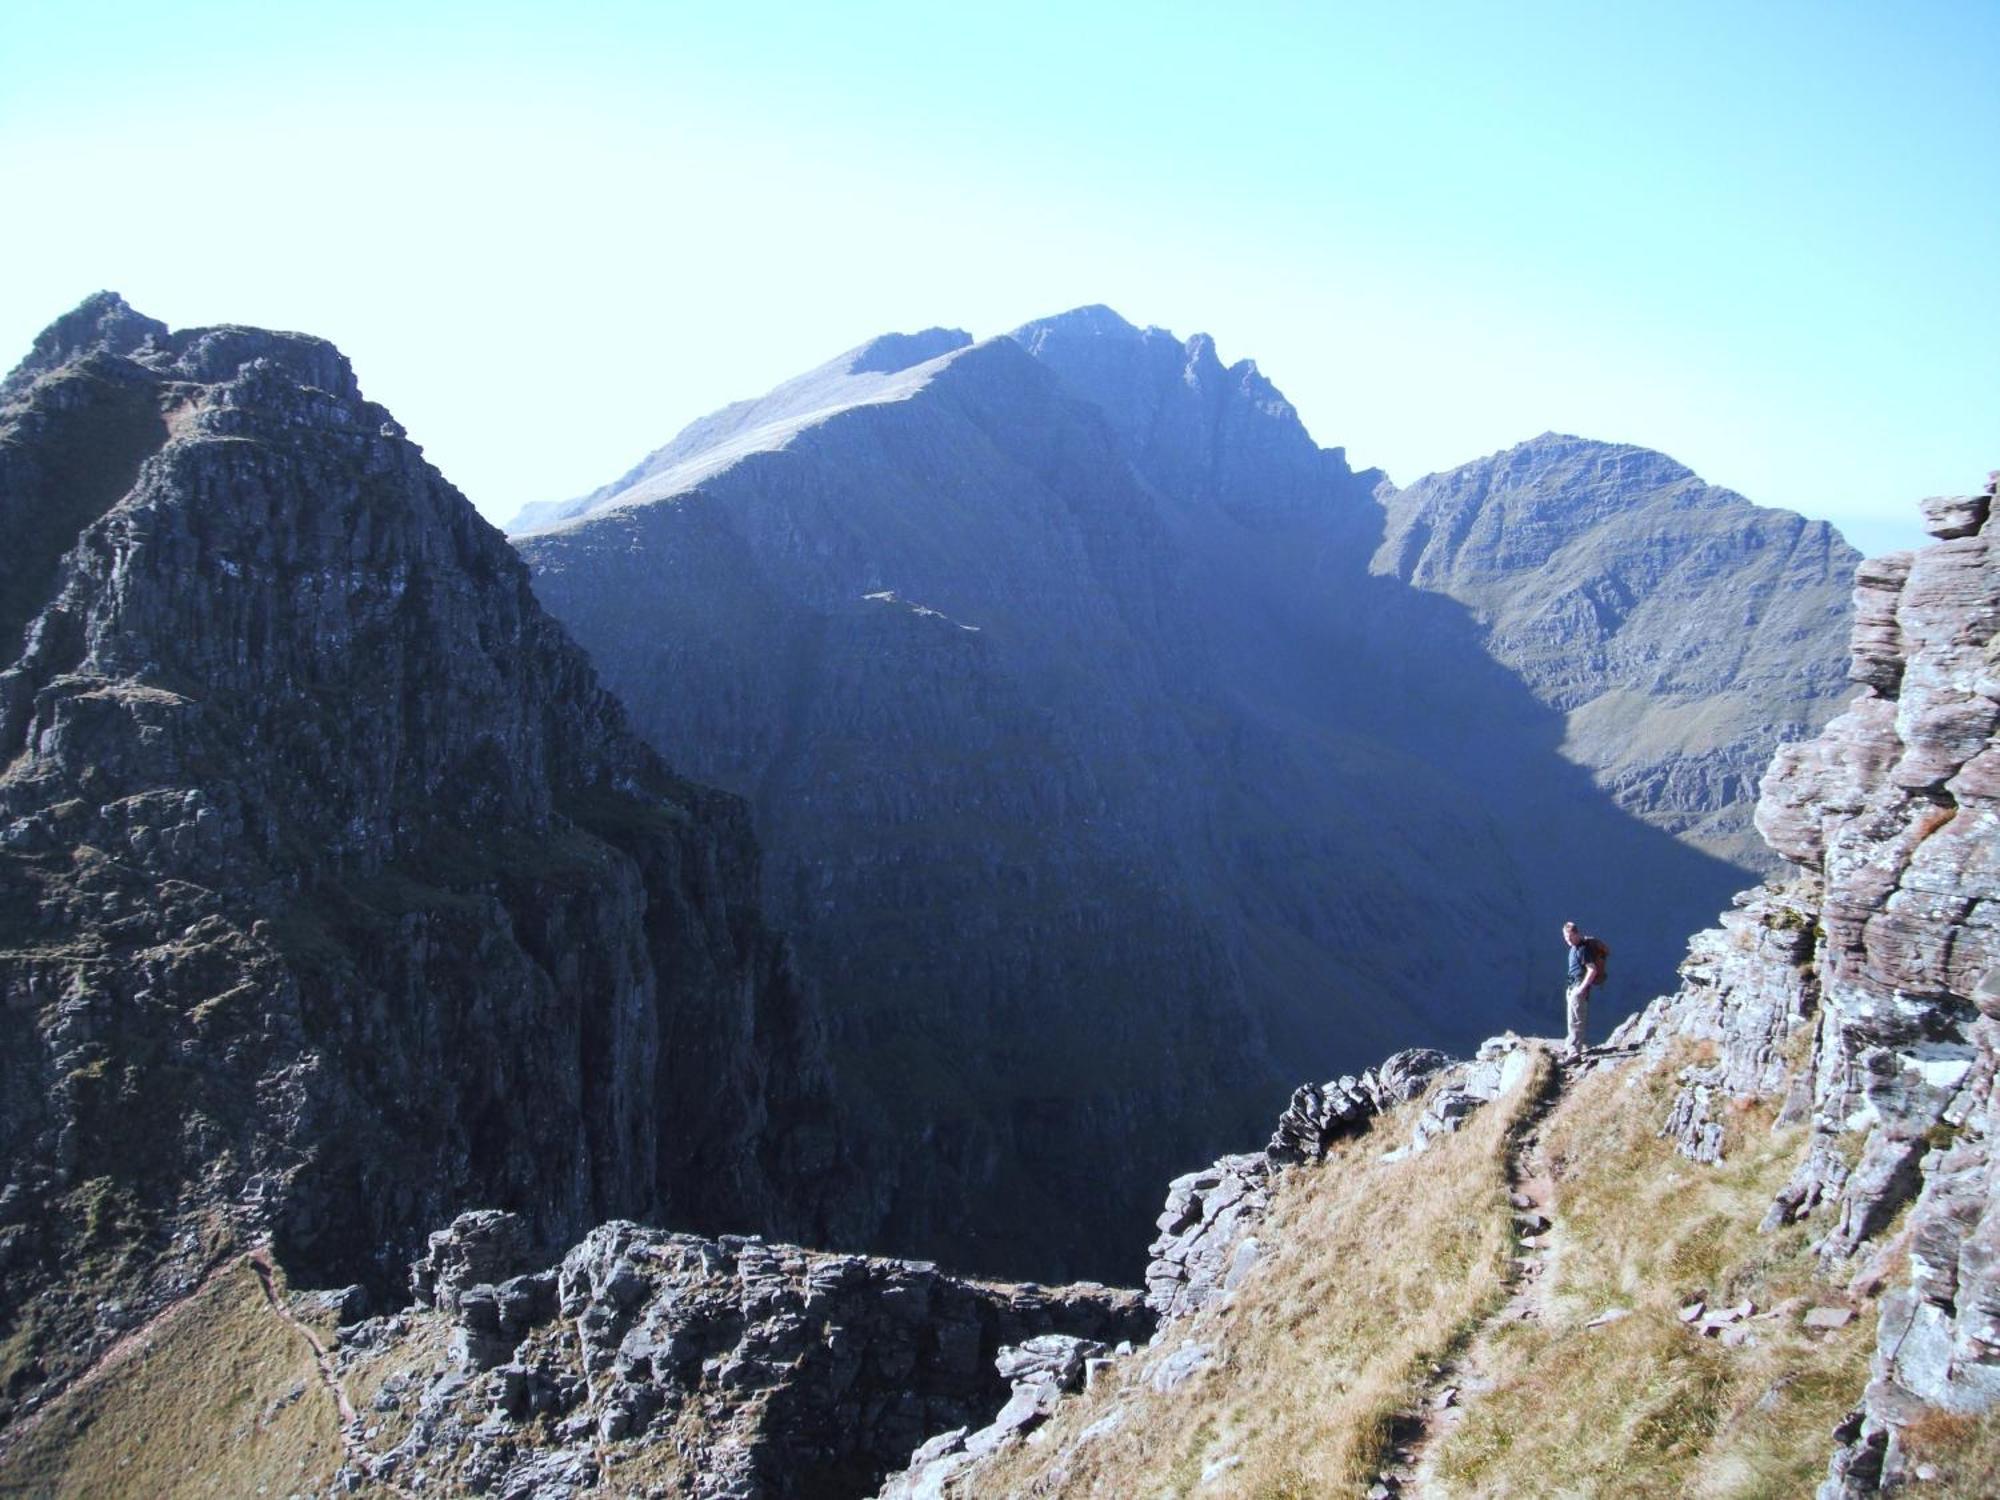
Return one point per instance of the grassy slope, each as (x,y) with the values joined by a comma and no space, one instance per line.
(1382,1268)
(1645,1407)
(1376,1271)
(221,1398)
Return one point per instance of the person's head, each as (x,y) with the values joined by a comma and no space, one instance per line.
(1572,934)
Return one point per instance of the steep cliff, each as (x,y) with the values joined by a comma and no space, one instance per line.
(335,895)
(1770,1190)
(1077,726)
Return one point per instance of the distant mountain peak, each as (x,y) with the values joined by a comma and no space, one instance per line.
(103,320)
(1094,320)
(892,352)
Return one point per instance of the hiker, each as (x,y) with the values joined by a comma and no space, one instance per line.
(1587,957)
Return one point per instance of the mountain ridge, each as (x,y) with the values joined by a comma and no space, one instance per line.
(338,892)
(1184,694)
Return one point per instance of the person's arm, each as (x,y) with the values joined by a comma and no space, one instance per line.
(1593,970)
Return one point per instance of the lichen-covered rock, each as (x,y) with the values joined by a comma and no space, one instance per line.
(1749,988)
(336,895)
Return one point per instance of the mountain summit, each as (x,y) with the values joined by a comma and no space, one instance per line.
(1079,721)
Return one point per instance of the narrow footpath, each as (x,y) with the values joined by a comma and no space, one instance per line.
(352,1438)
(1464,1377)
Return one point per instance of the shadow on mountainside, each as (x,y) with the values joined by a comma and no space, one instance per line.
(1103,809)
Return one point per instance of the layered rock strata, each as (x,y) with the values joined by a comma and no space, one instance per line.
(335,895)
(1872,963)
(1681,632)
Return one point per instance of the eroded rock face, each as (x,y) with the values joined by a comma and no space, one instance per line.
(1874,960)
(711,1367)
(335,892)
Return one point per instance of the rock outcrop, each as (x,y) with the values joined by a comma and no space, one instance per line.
(1207,1243)
(335,894)
(1068,704)
(1871,964)
(707,1367)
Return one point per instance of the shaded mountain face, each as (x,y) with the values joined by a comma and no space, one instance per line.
(335,894)
(1680,631)
(1105,784)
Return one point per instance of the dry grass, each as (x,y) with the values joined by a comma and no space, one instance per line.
(1644,1407)
(1964,1450)
(1377,1270)
(209,1409)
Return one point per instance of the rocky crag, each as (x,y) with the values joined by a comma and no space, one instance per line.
(725,1369)
(1873,965)
(1209,1246)
(1069,685)
(1855,995)
(335,894)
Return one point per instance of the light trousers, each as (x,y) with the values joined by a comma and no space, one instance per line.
(1576,1004)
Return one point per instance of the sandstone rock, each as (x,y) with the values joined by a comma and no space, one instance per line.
(1871,953)
(1951,516)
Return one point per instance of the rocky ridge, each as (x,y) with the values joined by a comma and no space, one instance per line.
(727,1369)
(1858,991)
(1208,1246)
(335,894)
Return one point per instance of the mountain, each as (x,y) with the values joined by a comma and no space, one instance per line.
(1680,631)
(336,895)
(1756,1236)
(1086,738)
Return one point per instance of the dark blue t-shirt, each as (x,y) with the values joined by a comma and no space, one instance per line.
(1579,960)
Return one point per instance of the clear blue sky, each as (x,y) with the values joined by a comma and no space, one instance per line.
(1762,237)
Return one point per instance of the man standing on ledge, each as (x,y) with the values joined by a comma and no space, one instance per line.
(1586,972)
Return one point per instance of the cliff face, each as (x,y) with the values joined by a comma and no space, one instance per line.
(1077,725)
(336,896)
(1878,952)
(1680,631)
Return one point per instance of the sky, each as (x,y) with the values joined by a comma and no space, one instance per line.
(1762,238)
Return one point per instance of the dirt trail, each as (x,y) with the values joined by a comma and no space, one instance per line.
(352,1438)
(1464,1378)
(329,1378)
